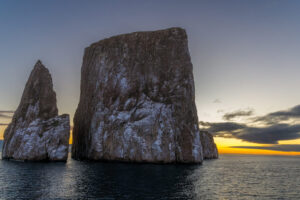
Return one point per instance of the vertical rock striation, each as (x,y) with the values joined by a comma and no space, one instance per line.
(36,132)
(137,100)
(210,150)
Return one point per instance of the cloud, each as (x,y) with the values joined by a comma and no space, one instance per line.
(238,113)
(1,124)
(6,114)
(276,117)
(271,134)
(278,147)
(267,129)
(263,135)
(217,101)
(219,127)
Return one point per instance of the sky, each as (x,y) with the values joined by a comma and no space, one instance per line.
(246,58)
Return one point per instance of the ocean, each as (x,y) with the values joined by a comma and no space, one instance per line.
(229,177)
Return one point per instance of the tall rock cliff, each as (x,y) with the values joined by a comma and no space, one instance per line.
(137,100)
(210,150)
(36,132)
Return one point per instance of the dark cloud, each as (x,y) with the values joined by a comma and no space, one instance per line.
(278,116)
(6,114)
(278,147)
(7,111)
(238,113)
(275,127)
(271,134)
(1,124)
(217,128)
(263,135)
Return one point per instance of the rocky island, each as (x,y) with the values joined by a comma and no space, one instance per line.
(36,132)
(137,101)
(210,150)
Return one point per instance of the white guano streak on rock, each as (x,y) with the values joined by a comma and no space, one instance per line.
(35,144)
(137,100)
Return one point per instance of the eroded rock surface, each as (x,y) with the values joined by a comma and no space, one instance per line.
(210,150)
(137,100)
(36,132)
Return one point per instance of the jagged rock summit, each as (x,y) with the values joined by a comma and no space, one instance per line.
(210,150)
(137,101)
(36,132)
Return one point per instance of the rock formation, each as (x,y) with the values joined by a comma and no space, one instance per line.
(36,132)
(137,100)
(210,150)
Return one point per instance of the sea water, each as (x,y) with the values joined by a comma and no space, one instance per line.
(229,177)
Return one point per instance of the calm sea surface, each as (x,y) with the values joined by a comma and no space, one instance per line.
(230,177)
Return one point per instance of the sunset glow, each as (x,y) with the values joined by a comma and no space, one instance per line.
(224,147)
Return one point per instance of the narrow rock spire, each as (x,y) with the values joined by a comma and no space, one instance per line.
(36,131)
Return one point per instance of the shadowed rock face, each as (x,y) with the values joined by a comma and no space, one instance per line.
(210,150)
(137,100)
(37,132)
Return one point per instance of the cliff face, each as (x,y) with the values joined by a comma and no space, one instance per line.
(36,131)
(210,150)
(137,100)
